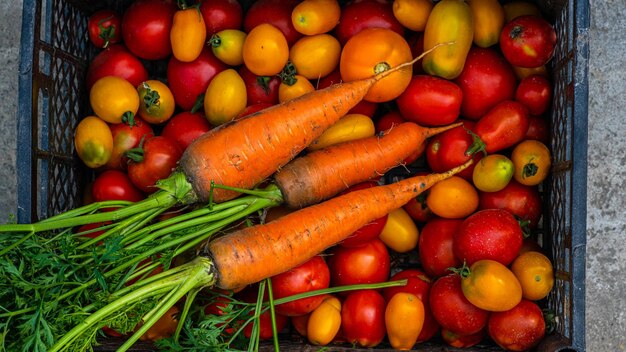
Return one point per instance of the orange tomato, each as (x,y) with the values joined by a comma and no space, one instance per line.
(413,14)
(488,21)
(535,273)
(164,327)
(515,9)
(452,198)
(400,232)
(531,160)
(114,99)
(294,87)
(311,17)
(372,51)
(315,56)
(491,286)
(265,50)
(324,322)
(227,46)
(492,173)
(188,34)
(225,97)
(404,319)
(156,101)
(93,141)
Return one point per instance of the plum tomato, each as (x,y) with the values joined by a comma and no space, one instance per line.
(404,319)
(535,92)
(116,60)
(490,285)
(452,198)
(535,273)
(185,127)
(275,12)
(400,233)
(524,202)
(447,150)
(312,17)
(114,99)
(430,101)
(358,15)
(115,185)
(324,322)
(147,25)
(153,160)
(265,50)
(503,126)
(93,141)
(367,263)
(363,318)
(462,341)
(435,246)
(518,329)
(221,14)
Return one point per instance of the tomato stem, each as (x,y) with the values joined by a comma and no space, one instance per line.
(529,169)
(288,74)
(215,41)
(129,118)
(381,67)
(106,33)
(477,145)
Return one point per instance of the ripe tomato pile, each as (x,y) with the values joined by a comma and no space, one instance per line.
(165,74)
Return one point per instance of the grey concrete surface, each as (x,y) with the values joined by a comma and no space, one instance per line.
(606,247)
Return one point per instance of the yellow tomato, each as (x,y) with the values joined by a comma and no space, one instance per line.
(535,273)
(348,128)
(227,46)
(324,322)
(312,17)
(531,159)
(515,9)
(225,97)
(93,141)
(315,56)
(413,14)
(188,34)
(265,50)
(112,98)
(452,198)
(404,319)
(491,286)
(400,232)
(156,101)
(492,173)
(488,21)
(294,87)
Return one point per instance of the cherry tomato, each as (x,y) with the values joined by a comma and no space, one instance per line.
(221,14)
(116,60)
(535,92)
(324,322)
(430,101)
(404,318)
(265,50)
(104,27)
(315,56)
(115,185)
(535,273)
(189,80)
(452,310)
(275,12)
(311,275)
(185,127)
(363,318)
(294,87)
(452,198)
(358,15)
(488,234)
(503,126)
(524,202)
(486,80)
(152,161)
(368,263)
(369,231)
(260,89)
(528,41)
(225,97)
(400,233)
(492,173)
(435,246)
(125,137)
(312,17)
(227,45)
(187,34)
(518,329)
(93,141)
(447,150)
(114,99)
(372,51)
(156,101)
(147,25)
(491,286)
(538,129)
(532,162)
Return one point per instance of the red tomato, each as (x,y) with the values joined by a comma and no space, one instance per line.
(535,92)
(528,41)
(251,109)
(452,310)
(116,60)
(259,89)
(538,129)
(300,323)
(522,201)
(185,127)
(486,80)
(367,108)
(275,12)
(217,307)
(447,150)
(358,15)
(418,283)
(461,341)
(503,126)
(265,325)
(157,157)
(147,25)
(488,234)
(369,231)
(368,263)
(115,185)
(104,27)
(435,246)
(126,137)
(189,80)
(363,318)
(430,101)
(416,41)
(311,275)
(417,208)
(221,14)
(518,329)
(388,120)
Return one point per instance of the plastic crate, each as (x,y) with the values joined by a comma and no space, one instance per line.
(52,99)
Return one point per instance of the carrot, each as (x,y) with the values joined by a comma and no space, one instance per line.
(252,254)
(323,173)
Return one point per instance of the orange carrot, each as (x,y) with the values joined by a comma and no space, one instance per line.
(323,173)
(254,253)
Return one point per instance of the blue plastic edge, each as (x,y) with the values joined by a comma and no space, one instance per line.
(579,173)
(24,113)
